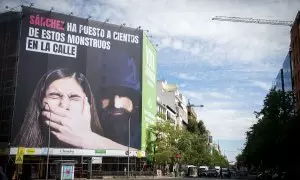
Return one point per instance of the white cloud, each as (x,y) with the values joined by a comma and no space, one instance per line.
(182,85)
(218,95)
(186,26)
(207,38)
(186,76)
(213,95)
(166,42)
(177,44)
(225,118)
(262,85)
(230,90)
(226,123)
(194,95)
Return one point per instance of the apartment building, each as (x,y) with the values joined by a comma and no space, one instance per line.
(295,56)
(171,104)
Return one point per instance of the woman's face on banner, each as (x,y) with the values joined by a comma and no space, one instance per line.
(65,93)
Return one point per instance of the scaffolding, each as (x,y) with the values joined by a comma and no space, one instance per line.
(9,33)
(36,165)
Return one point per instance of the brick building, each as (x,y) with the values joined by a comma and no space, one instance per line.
(295,56)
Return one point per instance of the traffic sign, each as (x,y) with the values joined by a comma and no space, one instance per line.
(21,151)
(19,159)
(30,151)
(139,154)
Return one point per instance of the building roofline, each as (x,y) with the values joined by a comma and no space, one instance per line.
(296,21)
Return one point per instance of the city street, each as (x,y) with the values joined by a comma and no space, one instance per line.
(190,178)
(208,178)
(161,90)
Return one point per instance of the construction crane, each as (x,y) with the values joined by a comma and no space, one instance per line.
(193,105)
(252,20)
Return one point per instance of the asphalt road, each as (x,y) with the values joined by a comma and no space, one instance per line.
(191,178)
(208,179)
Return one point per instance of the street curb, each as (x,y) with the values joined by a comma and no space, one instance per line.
(142,178)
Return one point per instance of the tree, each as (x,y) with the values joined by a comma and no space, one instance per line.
(192,145)
(268,142)
(218,159)
(196,127)
(201,128)
(192,125)
(240,160)
(163,143)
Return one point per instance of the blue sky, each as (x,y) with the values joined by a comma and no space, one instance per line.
(227,67)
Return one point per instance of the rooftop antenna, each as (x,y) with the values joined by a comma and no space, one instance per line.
(51,9)
(123,24)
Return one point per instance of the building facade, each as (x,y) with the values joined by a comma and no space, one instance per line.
(27,56)
(191,113)
(181,106)
(171,103)
(284,80)
(165,113)
(287,73)
(295,56)
(278,83)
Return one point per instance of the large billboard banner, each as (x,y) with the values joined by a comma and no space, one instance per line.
(148,87)
(79,81)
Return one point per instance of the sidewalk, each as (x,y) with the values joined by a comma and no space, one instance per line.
(142,177)
(137,177)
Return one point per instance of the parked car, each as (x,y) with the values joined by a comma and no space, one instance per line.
(212,173)
(264,175)
(232,172)
(202,171)
(226,173)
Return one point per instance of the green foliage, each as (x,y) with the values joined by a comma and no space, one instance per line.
(240,160)
(270,141)
(218,159)
(192,125)
(161,115)
(191,144)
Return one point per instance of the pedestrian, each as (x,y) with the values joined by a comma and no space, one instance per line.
(221,173)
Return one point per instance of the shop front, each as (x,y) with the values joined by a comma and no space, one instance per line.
(71,163)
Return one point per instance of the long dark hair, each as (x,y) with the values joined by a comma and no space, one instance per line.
(32,133)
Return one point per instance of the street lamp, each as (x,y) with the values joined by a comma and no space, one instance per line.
(47,164)
(129,132)
(128,158)
(157,137)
